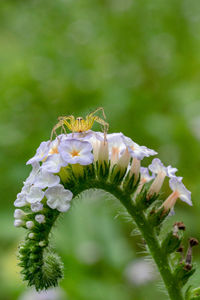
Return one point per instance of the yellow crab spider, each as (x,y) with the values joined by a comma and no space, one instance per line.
(79,124)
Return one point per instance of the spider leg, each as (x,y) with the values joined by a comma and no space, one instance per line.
(66,118)
(96,110)
(104,123)
(59,124)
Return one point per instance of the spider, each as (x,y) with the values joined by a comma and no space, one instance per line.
(79,124)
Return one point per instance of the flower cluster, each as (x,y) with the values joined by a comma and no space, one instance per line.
(44,187)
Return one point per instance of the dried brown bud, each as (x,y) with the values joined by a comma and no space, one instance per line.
(180,249)
(188,267)
(193,242)
(180,225)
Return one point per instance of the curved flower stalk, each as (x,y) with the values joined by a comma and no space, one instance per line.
(70,164)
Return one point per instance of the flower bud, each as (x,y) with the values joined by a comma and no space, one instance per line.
(40,218)
(31,235)
(135,168)
(18,223)
(103,152)
(42,243)
(19,213)
(122,163)
(29,224)
(157,184)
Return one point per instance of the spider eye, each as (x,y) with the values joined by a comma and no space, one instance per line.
(79,118)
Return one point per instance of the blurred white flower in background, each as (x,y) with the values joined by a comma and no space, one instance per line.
(89,252)
(139,272)
(50,294)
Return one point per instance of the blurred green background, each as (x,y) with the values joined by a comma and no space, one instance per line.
(140,60)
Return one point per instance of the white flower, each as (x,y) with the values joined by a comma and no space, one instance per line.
(35,195)
(177,186)
(53,163)
(33,174)
(29,224)
(87,136)
(26,188)
(41,153)
(37,206)
(40,218)
(19,214)
(53,146)
(139,272)
(21,197)
(18,223)
(179,191)
(50,294)
(157,166)
(171,171)
(45,179)
(116,146)
(145,176)
(76,152)
(58,197)
(137,151)
(21,200)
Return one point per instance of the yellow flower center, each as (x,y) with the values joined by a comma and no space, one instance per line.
(53,150)
(74,152)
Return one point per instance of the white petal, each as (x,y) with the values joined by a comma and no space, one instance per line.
(41,153)
(37,206)
(34,172)
(58,198)
(35,195)
(171,171)
(21,200)
(53,164)
(45,179)
(177,185)
(157,166)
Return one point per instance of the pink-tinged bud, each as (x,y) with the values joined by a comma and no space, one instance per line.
(123,162)
(157,184)
(114,155)
(170,201)
(135,168)
(103,152)
(96,145)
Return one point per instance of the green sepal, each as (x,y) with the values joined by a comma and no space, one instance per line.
(171,243)
(103,169)
(129,184)
(157,215)
(192,294)
(117,175)
(142,200)
(182,273)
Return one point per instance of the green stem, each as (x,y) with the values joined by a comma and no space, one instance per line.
(147,231)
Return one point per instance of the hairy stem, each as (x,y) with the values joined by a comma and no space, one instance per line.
(147,231)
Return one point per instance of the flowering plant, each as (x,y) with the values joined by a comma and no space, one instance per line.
(71,163)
